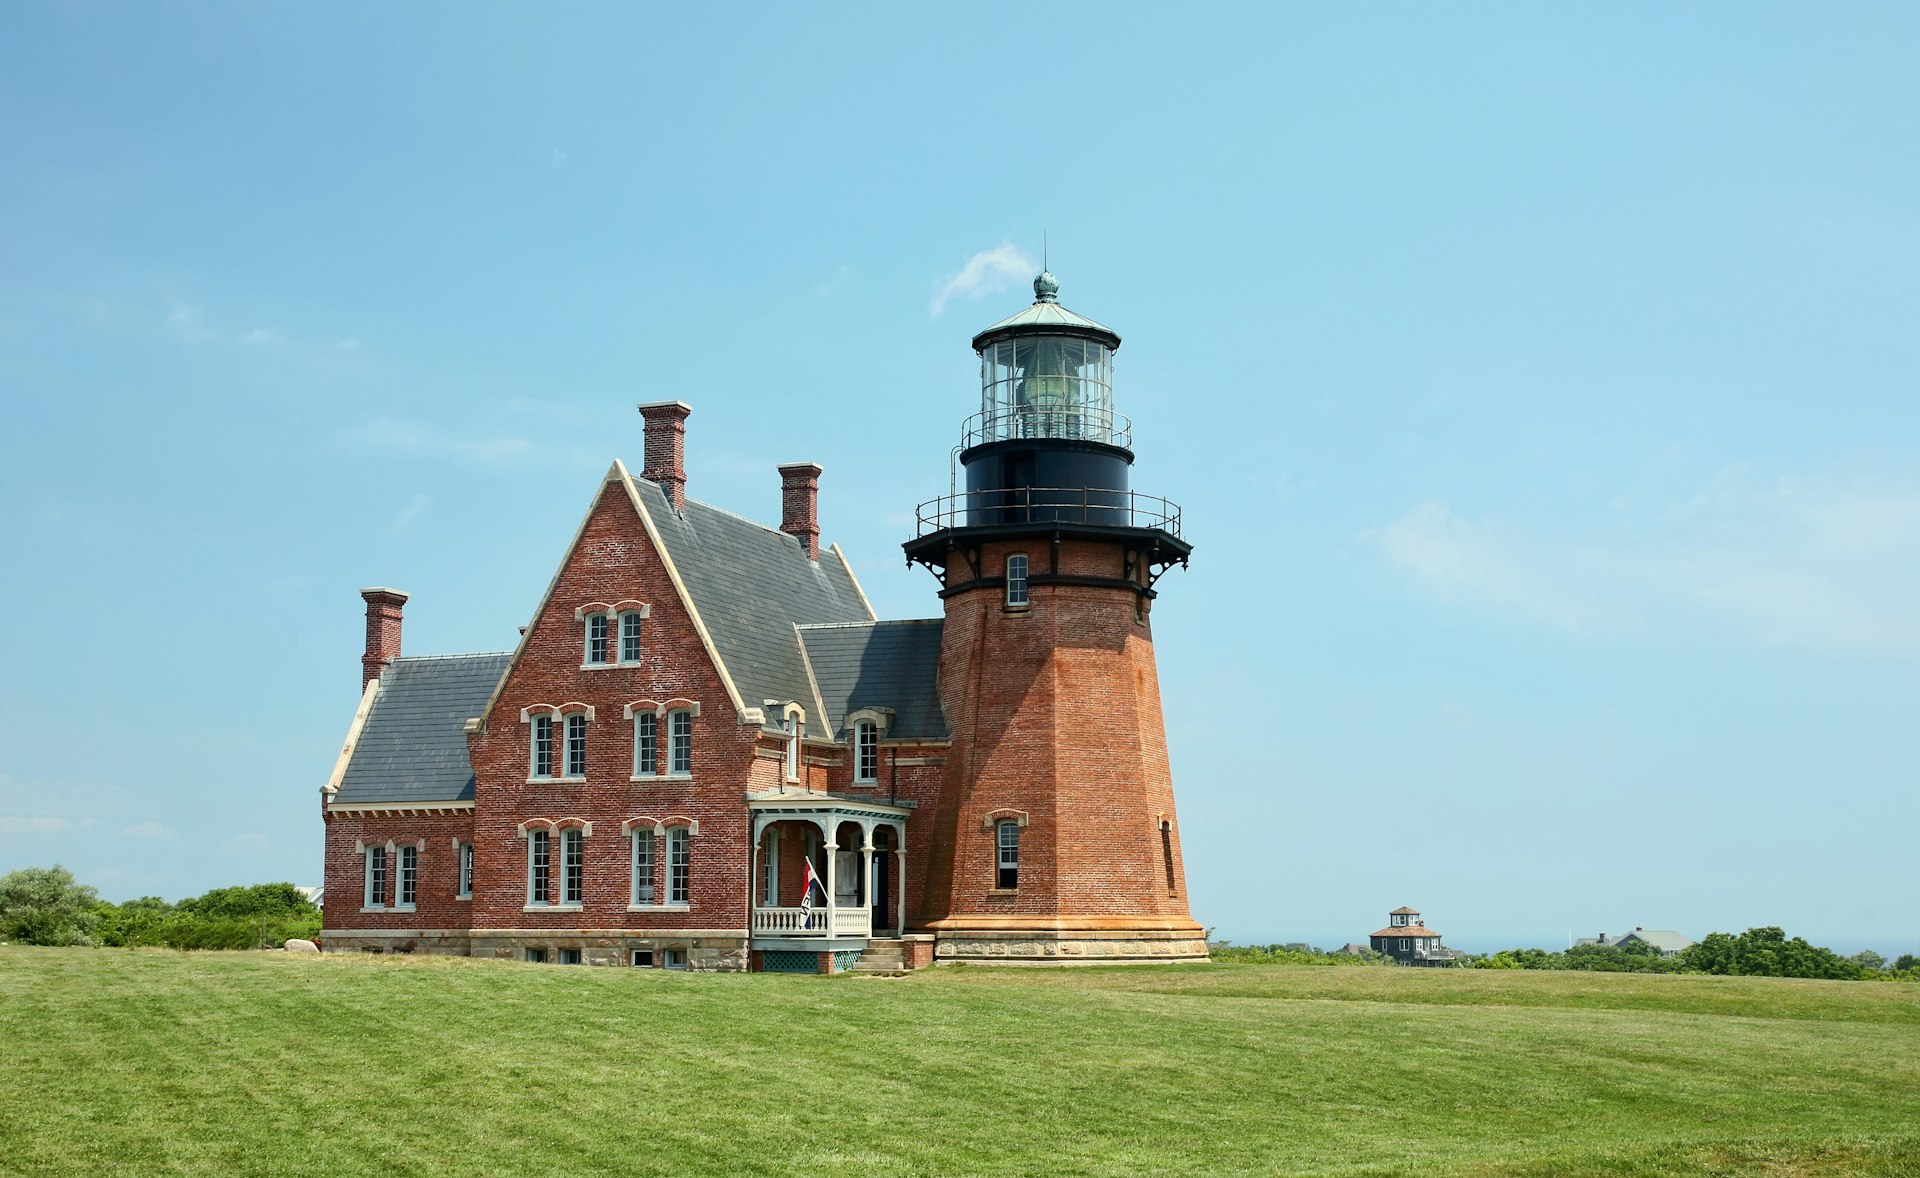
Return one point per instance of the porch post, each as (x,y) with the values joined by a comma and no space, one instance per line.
(833,848)
(754,898)
(900,888)
(866,879)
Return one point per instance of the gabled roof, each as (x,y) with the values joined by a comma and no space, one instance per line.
(1405,930)
(880,665)
(1659,938)
(413,746)
(751,585)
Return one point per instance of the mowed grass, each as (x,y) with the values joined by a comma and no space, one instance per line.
(154,1062)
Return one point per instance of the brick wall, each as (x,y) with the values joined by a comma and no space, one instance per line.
(437,906)
(1056,713)
(613,561)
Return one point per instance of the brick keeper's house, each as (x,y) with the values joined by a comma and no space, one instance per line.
(707,753)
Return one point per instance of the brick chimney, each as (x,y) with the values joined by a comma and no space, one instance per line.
(800,504)
(667,448)
(383,631)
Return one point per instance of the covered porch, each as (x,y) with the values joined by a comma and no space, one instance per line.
(858,851)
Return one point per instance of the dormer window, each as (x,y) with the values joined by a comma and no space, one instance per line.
(598,648)
(866,752)
(793,747)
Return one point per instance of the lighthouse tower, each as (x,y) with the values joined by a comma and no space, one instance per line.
(1055,838)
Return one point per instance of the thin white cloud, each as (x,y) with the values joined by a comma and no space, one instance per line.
(411,512)
(188,321)
(558,161)
(40,824)
(148,830)
(349,344)
(262,336)
(1801,565)
(987,272)
(1457,556)
(411,437)
(248,841)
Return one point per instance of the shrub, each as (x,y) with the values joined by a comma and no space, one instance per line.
(46,906)
(1767,952)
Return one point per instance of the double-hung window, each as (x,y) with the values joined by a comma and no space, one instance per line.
(1017,579)
(573,866)
(576,745)
(539,862)
(642,866)
(866,751)
(542,747)
(1007,876)
(793,747)
(598,651)
(646,744)
(678,865)
(630,637)
(680,742)
(466,869)
(409,877)
(376,894)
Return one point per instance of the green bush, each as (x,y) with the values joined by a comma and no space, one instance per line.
(46,906)
(259,917)
(1281,955)
(1768,953)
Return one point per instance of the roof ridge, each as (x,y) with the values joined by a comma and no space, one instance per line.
(872,622)
(475,654)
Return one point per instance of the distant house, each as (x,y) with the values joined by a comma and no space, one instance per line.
(1409,942)
(1663,939)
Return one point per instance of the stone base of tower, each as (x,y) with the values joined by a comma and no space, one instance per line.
(1104,940)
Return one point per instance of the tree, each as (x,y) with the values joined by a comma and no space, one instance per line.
(1868,959)
(46,906)
(1767,952)
(1906,961)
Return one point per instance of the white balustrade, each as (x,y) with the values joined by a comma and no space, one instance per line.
(793,922)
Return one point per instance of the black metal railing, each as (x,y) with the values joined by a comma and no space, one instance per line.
(1085,424)
(1047,505)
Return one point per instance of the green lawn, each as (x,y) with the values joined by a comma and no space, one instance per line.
(144,1062)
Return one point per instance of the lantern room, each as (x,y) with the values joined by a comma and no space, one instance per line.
(1047,373)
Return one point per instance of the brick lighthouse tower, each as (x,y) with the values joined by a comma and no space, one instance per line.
(1055,838)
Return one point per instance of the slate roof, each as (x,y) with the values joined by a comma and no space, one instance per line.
(1666,940)
(880,664)
(413,747)
(752,586)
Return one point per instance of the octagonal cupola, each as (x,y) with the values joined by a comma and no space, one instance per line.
(1047,372)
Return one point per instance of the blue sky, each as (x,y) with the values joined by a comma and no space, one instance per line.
(1539,384)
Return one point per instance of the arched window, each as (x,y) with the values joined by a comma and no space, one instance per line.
(573,866)
(646,744)
(680,741)
(1017,579)
(539,867)
(1007,839)
(866,752)
(793,746)
(542,758)
(642,865)
(630,637)
(598,649)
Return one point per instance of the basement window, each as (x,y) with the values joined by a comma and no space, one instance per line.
(569,957)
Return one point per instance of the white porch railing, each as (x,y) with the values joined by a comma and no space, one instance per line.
(792,922)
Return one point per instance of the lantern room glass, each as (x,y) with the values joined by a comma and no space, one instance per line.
(1047,386)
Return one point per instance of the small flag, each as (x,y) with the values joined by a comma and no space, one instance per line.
(811,882)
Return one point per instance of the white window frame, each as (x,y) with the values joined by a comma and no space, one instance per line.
(646,744)
(866,752)
(535,726)
(642,892)
(603,639)
(628,635)
(573,867)
(575,727)
(792,723)
(407,878)
(680,742)
(1017,595)
(373,895)
(1002,862)
(539,869)
(466,872)
(679,865)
